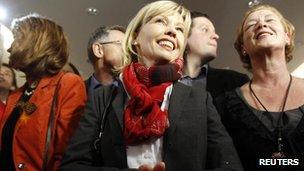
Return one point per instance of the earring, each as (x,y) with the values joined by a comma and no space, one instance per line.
(135,43)
(287,43)
(244,53)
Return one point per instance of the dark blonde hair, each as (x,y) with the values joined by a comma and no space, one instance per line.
(40,47)
(144,15)
(289,28)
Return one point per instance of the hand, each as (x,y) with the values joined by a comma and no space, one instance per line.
(158,167)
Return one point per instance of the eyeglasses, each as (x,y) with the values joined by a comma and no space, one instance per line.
(111,42)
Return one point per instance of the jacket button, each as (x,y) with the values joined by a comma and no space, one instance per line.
(170,145)
(21,166)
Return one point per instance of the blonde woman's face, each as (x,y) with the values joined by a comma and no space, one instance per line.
(264,29)
(161,40)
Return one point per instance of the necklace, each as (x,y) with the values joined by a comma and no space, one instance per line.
(26,106)
(279,126)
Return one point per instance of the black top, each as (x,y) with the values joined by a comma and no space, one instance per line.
(253,140)
(6,153)
(291,118)
(222,80)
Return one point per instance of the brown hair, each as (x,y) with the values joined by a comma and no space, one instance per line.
(40,47)
(289,28)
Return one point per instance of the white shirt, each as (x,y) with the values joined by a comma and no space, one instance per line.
(149,153)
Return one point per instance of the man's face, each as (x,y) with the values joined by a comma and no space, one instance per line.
(203,38)
(113,51)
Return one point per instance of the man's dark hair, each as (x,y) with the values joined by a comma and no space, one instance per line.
(100,33)
(195,14)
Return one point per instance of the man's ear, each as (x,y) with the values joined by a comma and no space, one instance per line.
(97,50)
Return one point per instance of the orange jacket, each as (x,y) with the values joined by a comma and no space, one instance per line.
(30,131)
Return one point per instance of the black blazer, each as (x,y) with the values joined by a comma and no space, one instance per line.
(196,139)
(222,80)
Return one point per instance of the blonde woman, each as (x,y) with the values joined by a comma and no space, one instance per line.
(150,121)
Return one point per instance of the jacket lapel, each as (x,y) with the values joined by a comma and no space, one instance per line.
(179,95)
(119,103)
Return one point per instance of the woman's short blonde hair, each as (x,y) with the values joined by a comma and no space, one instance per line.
(40,47)
(289,28)
(145,15)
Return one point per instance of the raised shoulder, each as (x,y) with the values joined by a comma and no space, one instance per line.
(70,77)
(72,84)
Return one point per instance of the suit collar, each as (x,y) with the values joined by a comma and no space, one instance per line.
(119,102)
(51,80)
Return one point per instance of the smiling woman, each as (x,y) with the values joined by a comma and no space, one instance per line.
(265,116)
(146,120)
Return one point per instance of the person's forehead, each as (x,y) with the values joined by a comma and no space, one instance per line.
(167,14)
(6,69)
(262,13)
(115,34)
(198,21)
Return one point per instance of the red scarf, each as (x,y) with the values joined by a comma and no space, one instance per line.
(143,117)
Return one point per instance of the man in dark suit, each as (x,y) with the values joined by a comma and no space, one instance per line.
(105,54)
(201,49)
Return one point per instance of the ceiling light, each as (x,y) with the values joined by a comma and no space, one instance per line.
(6,36)
(2,13)
(253,3)
(92,11)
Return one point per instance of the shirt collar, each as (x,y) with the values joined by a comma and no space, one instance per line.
(95,83)
(203,72)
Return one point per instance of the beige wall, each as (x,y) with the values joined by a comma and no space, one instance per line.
(4,58)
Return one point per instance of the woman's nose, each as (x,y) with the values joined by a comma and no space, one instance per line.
(261,24)
(171,32)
